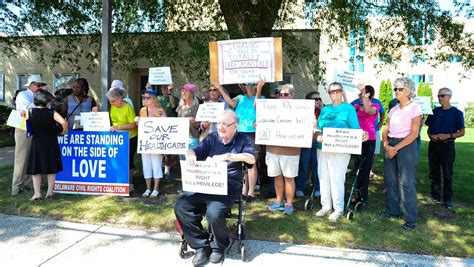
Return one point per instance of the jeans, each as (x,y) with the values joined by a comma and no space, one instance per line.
(441,157)
(400,174)
(308,158)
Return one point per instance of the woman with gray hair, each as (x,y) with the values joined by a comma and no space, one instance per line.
(399,137)
(122,116)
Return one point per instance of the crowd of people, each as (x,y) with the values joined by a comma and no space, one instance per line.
(232,139)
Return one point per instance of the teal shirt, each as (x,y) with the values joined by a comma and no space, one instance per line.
(340,116)
(246,112)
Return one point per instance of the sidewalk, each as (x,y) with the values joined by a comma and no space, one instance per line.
(7,156)
(28,241)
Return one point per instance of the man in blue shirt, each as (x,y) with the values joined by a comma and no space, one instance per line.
(224,145)
(444,126)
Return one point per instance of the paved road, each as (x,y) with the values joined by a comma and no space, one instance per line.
(28,241)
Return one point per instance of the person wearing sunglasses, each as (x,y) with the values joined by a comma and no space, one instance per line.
(212,91)
(332,166)
(308,159)
(399,141)
(151,163)
(244,106)
(282,164)
(444,126)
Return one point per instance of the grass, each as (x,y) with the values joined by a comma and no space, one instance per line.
(439,231)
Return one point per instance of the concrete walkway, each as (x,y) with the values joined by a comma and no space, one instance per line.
(7,156)
(28,241)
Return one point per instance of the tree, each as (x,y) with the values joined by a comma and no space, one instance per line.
(386,33)
(385,94)
(424,89)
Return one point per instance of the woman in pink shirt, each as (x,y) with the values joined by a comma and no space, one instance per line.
(399,137)
(367,113)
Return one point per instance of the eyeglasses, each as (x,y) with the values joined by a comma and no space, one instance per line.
(212,89)
(441,96)
(284,94)
(222,124)
(399,89)
(335,91)
(146,97)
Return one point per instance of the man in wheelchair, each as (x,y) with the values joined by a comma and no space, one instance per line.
(224,145)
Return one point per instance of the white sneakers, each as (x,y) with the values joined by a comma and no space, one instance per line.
(333,217)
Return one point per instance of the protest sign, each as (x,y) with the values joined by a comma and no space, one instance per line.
(163,135)
(95,121)
(339,140)
(210,111)
(349,80)
(16,120)
(284,122)
(94,163)
(159,75)
(246,60)
(204,177)
(425,104)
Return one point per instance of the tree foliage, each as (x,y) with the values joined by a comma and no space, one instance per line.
(385,93)
(424,89)
(390,28)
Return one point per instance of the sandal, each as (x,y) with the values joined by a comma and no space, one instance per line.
(154,194)
(147,193)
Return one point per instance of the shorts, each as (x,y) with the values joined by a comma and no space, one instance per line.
(257,148)
(377,142)
(282,164)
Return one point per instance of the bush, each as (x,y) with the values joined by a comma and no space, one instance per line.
(469,115)
(4,113)
(385,94)
(424,89)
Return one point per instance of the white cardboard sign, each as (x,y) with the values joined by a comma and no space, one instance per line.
(341,140)
(425,104)
(285,122)
(163,135)
(349,80)
(205,177)
(210,111)
(159,75)
(246,60)
(95,121)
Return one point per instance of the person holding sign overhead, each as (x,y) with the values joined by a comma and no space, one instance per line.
(399,142)
(151,163)
(225,145)
(332,166)
(188,106)
(79,101)
(122,117)
(244,106)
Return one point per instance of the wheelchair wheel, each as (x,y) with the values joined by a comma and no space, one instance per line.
(183,251)
(359,206)
(308,205)
(350,215)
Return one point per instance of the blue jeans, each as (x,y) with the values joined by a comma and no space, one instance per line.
(400,174)
(307,158)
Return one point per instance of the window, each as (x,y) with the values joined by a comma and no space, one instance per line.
(418,78)
(22,79)
(357,50)
(64,81)
(421,33)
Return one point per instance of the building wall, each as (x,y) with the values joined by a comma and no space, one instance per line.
(27,63)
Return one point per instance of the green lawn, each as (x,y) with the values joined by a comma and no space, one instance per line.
(439,231)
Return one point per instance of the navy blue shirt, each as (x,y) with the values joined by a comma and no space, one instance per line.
(445,121)
(212,145)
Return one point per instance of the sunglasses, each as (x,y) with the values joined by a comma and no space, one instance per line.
(146,97)
(284,94)
(317,99)
(335,91)
(212,89)
(399,89)
(441,96)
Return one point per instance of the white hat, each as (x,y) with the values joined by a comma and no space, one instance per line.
(34,78)
(117,84)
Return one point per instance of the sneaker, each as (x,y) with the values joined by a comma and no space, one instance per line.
(299,193)
(409,226)
(248,200)
(217,256)
(434,200)
(288,210)
(334,216)
(322,213)
(202,256)
(277,206)
(448,204)
(317,193)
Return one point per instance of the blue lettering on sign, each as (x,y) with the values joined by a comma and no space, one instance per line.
(94,157)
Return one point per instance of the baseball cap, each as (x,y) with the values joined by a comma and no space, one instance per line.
(189,86)
(151,92)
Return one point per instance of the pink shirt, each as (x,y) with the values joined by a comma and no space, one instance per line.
(366,120)
(400,120)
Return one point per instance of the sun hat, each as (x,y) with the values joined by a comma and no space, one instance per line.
(150,92)
(34,78)
(117,84)
(189,86)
